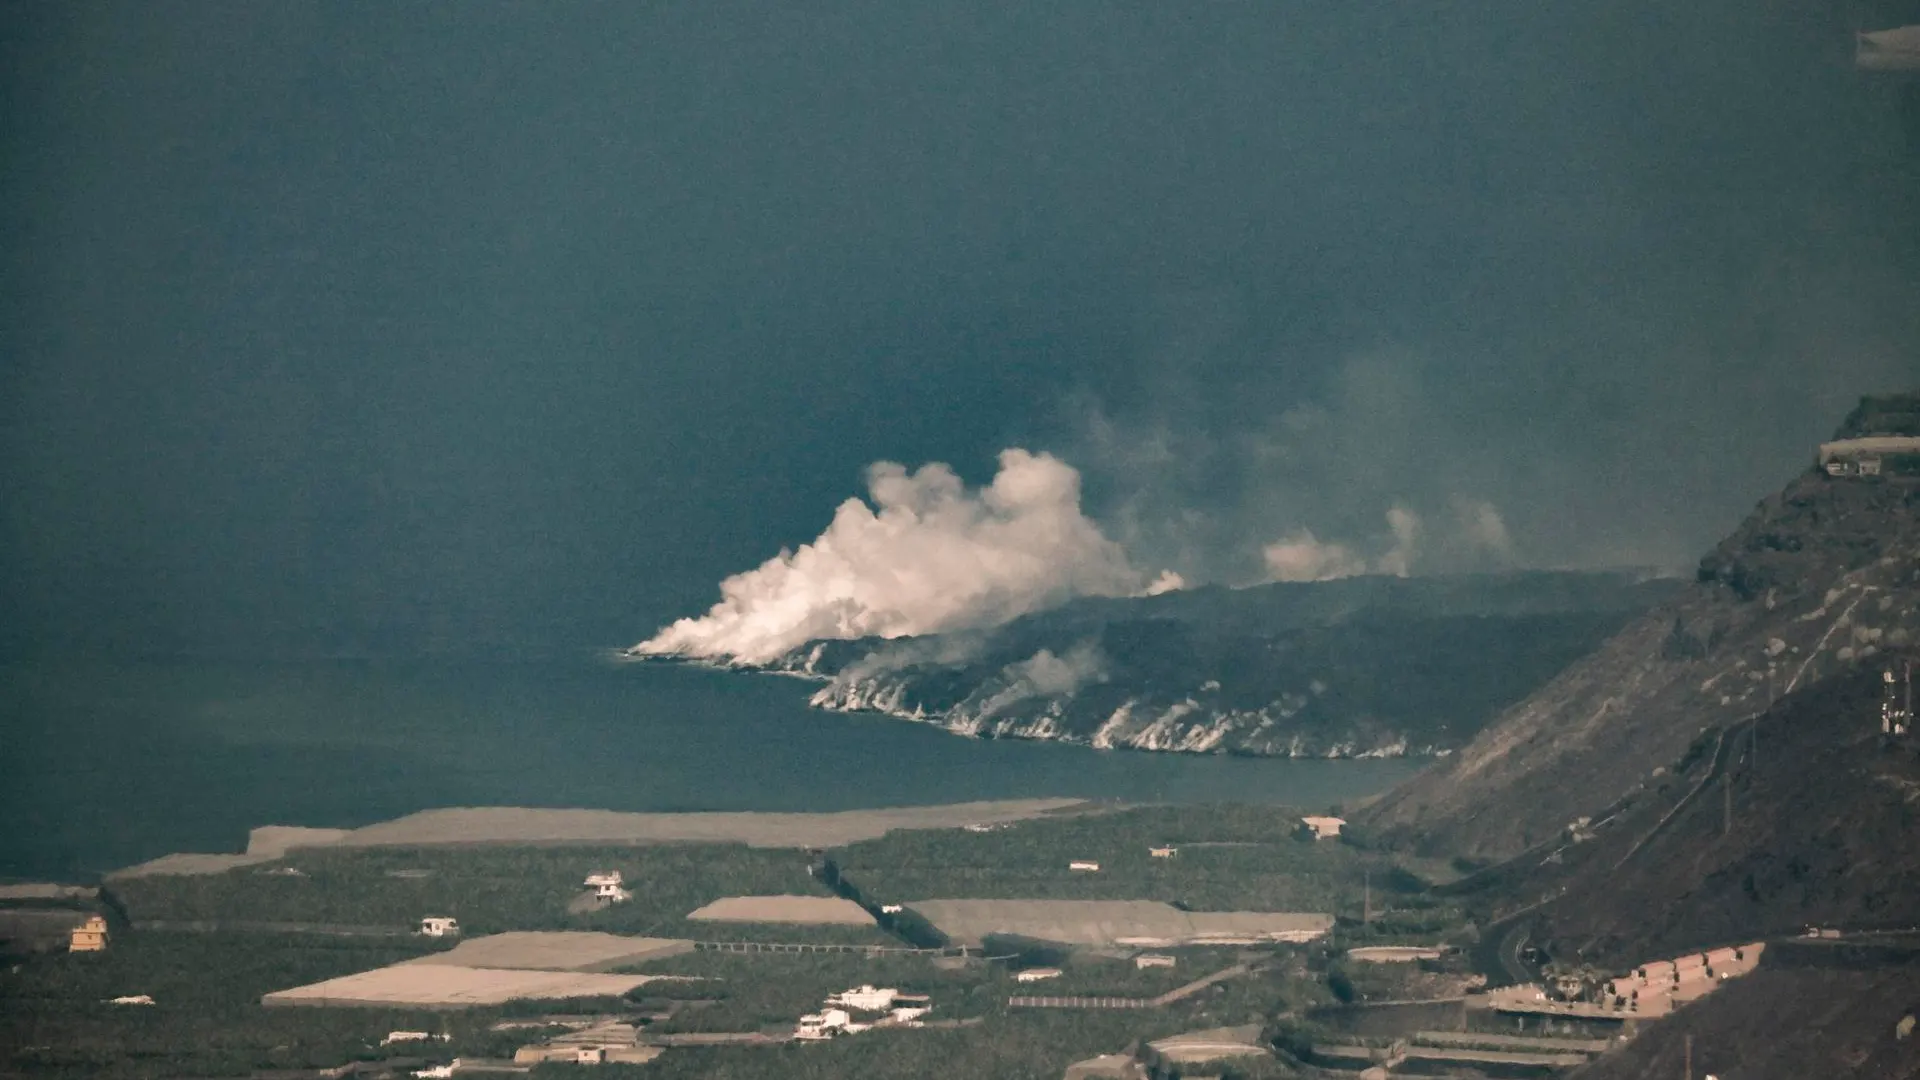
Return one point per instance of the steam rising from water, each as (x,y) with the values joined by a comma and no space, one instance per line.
(928,556)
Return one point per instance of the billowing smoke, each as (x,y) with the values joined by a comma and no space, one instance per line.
(1474,527)
(1045,674)
(1301,556)
(1298,494)
(928,556)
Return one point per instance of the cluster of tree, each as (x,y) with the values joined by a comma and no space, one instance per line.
(490,889)
(58,1021)
(1228,858)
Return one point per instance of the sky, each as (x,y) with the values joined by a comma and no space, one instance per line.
(368,328)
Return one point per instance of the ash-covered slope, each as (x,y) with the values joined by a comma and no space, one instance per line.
(1820,576)
(1783,1023)
(1805,815)
(1359,667)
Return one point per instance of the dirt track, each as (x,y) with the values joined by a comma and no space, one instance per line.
(513,825)
(517,825)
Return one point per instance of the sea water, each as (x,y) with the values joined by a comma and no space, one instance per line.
(107,763)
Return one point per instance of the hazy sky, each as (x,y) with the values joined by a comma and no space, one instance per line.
(402,326)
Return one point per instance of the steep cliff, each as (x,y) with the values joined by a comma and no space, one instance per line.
(1821,577)
(1805,815)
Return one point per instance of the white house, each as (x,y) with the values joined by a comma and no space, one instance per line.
(607,886)
(132,999)
(1323,828)
(865,998)
(891,909)
(823,1025)
(439,926)
(1036,974)
(438,1072)
(405,1036)
(1084,865)
(1147,960)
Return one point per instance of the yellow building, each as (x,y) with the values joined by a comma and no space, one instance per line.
(89,936)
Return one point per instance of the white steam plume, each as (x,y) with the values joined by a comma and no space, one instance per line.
(1045,674)
(929,556)
(1476,532)
(1301,556)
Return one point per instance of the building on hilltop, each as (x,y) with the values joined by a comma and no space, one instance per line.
(89,936)
(1870,455)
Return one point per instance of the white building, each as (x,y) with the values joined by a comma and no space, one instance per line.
(439,926)
(911,1015)
(891,909)
(1324,828)
(826,1023)
(1084,865)
(132,999)
(1163,852)
(1036,974)
(1863,456)
(865,998)
(1147,960)
(608,886)
(406,1036)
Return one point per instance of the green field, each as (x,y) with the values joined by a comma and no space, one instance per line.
(1231,858)
(209,981)
(491,889)
(207,1020)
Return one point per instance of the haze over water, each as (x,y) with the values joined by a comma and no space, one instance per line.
(116,762)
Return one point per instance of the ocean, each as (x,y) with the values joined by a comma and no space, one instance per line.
(107,763)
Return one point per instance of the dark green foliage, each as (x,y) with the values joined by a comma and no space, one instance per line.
(490,889)
(1231,858)
(209,1022)
(1341,984)
(54,1020)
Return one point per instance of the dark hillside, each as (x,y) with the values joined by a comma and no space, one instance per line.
(1355,667)
(1817,822)
(1783,1024)
(1820,575)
